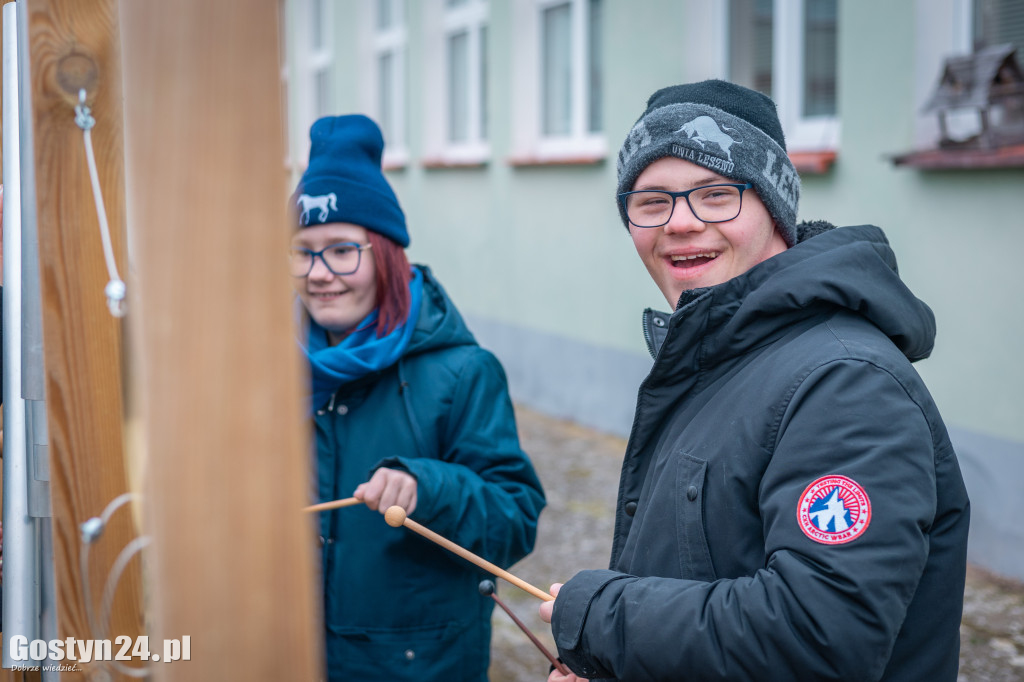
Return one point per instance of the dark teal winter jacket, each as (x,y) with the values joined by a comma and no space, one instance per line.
(396,606)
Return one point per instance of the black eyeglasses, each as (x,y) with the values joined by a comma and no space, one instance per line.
(342,258)
(710,204)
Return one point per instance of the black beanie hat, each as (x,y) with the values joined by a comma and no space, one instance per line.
(726,128)
(343,182)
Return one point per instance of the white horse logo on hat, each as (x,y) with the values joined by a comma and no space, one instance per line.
(705,129)
(325,202)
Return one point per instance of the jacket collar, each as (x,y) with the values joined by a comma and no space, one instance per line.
(849,268)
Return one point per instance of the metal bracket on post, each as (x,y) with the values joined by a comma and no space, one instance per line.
(39,506)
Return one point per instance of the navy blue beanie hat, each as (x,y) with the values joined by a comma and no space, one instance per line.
(343,182)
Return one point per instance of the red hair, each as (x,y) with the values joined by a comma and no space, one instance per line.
(393,275)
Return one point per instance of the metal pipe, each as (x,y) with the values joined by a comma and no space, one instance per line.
(47,617)
(20,613)
(42,584)
(33,375)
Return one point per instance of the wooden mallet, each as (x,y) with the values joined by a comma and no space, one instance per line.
(336,504)
(487,588)
(396,516)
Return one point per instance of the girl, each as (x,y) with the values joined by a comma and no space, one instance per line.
(409,411)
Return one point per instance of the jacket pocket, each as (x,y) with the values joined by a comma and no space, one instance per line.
(694,555)
(429,652)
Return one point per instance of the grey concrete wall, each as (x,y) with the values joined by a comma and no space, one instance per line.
(524,249)
(573,380)
(993,471)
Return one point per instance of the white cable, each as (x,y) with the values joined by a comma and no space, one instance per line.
(91,530)
(115,289)
(113,578)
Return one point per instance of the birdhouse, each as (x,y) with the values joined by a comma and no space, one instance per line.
(980,99)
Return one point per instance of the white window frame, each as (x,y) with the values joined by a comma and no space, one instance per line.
(310,63)
(393,39)
(529,142)
(441,22)
(803,133)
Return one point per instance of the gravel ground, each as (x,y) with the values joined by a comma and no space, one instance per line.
(580,471)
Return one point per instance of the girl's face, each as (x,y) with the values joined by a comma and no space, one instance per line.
(336,302)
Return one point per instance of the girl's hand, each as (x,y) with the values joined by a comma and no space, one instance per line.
(386,488)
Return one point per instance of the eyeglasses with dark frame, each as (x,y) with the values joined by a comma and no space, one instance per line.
(341,259)
(710,204)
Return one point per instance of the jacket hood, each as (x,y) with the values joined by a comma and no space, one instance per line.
(439,325)
(851,268)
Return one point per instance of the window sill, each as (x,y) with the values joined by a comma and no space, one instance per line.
(567,160)
(813,163)
(438,163)
(395,159)
(960,159)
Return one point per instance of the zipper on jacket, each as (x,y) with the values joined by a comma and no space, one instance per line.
(648,314)
(653,317)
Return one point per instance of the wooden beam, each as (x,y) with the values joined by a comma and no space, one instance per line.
(73,44)
(221,375)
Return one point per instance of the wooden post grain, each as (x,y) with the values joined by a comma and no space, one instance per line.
(74,44)
(221,375)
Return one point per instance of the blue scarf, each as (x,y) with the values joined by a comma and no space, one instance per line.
(361,352)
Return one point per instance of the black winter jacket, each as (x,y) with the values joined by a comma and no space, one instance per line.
(790,506)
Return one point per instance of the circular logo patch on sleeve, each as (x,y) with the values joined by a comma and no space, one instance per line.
(834,510)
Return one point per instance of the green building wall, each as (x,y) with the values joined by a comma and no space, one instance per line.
(539,263)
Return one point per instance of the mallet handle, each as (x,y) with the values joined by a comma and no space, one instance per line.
(533,638)
(473,558)
(336,504)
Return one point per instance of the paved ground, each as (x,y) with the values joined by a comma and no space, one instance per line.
(580,469)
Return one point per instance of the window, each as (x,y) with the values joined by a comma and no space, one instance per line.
(453,111)
(556,70)
(465,40)
(388,67)
(787,50)
(319,58)
(570,65)
(997,22)
(559,81)
(314,73)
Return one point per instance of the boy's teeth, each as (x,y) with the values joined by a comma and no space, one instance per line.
(711,254)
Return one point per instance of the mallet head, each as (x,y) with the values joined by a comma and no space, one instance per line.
(486,587)
(395,516)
